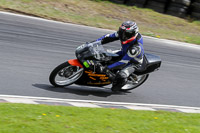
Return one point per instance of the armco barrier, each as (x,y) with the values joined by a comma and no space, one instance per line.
(157,5)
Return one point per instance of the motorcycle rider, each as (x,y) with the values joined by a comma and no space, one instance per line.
(132,51)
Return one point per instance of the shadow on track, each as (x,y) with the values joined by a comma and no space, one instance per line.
(80,90)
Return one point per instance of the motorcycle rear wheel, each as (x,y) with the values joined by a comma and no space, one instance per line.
(131,84)
(65,74)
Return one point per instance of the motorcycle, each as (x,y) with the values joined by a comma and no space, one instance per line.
(76,72)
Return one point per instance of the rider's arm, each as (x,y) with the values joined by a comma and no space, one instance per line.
(136,52)
(108,38)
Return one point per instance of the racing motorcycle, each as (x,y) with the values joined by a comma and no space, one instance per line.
(76,72)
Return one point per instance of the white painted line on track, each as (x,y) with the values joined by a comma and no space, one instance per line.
(140,108)
(17,100)
(84,105)
(189,110)
(98,104)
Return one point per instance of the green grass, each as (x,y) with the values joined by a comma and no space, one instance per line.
(105,14)
(24,118)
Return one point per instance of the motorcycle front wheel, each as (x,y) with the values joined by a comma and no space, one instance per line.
(65,74)
(132,83)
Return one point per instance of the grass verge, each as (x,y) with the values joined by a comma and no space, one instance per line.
(104,14)
(24,118)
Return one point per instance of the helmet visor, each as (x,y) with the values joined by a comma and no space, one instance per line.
(125,34)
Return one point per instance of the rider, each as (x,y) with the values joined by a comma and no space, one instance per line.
(132,51)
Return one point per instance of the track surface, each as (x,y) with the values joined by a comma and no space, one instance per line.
(30,49)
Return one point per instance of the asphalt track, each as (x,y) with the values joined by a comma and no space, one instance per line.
(31,48)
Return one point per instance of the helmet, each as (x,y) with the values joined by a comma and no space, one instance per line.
(128,31)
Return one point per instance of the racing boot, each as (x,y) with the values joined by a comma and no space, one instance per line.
(122,78)
(119,82)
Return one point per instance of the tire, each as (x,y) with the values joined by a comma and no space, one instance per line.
(130,85)
(197,10)
(177,10)
(196,4)
(175,5)
(155,8)
(157,5)
(140,2)
(161,1)
(178,14)
(65,74)
(153,3)
(198,1)
(182,2)
(118,1)
(196,7)
(196,15)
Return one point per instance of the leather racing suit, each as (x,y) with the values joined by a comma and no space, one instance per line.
(132,53)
